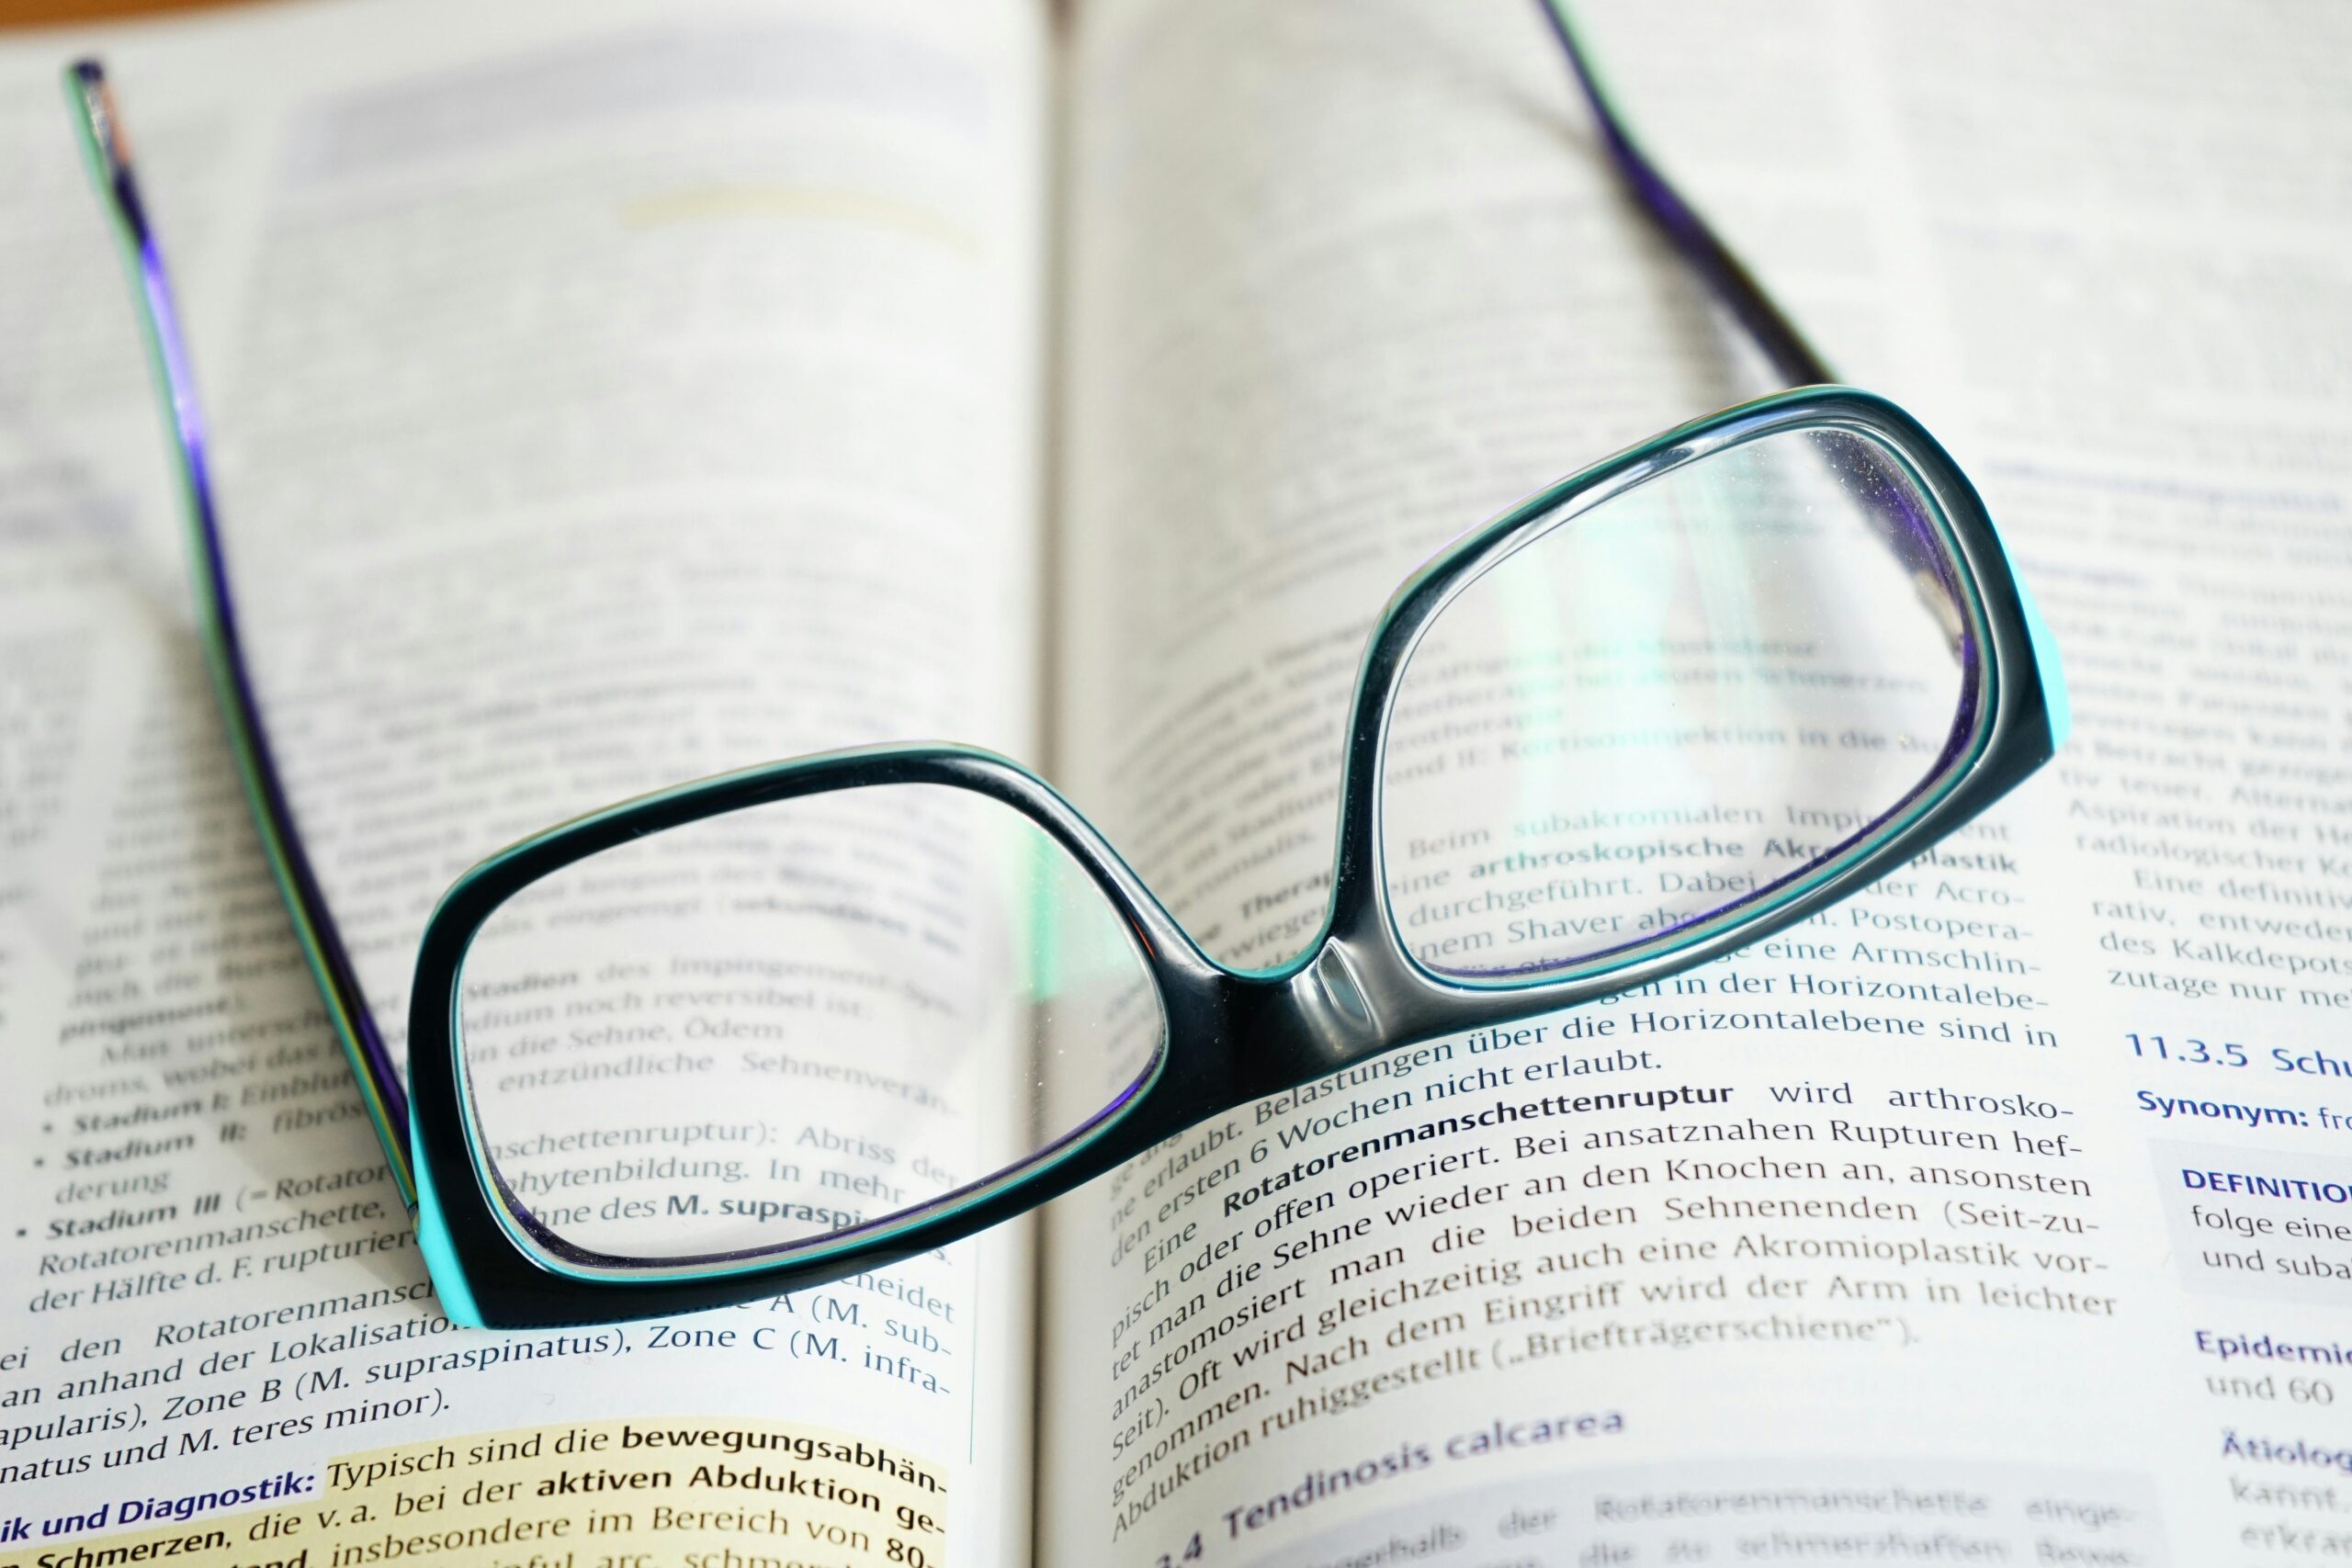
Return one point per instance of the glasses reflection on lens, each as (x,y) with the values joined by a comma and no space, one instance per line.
(1669,706)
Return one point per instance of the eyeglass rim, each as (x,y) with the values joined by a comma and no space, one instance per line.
(489,1270)
(1427,596)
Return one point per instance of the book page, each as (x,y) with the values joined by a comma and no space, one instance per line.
(601,396)
(1997,1214)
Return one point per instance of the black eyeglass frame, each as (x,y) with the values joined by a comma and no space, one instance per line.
(1232,1036)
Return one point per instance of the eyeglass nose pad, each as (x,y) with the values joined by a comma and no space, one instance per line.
(1332,1009)
(1338,979)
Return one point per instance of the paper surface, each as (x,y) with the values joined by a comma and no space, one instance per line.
(1997,1214)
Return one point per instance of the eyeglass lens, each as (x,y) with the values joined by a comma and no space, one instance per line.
(753,1032)
(1669,704)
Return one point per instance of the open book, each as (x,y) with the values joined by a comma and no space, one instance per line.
(610,393)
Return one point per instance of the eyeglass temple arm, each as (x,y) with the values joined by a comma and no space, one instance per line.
(106,153)
(1794,359)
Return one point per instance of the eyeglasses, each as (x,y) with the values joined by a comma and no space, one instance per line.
(1670,704)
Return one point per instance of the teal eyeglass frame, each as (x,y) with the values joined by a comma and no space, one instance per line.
(1231,1036)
